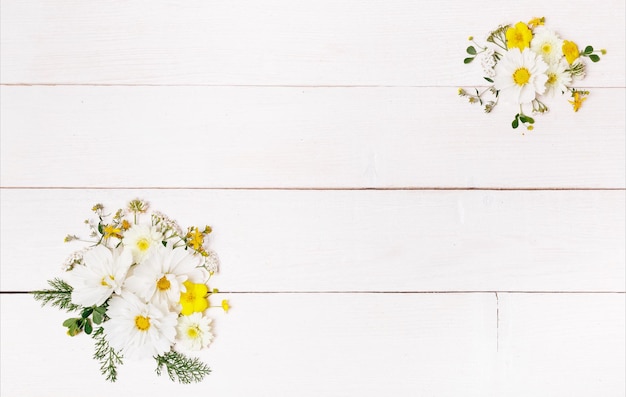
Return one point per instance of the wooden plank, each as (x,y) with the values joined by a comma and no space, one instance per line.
(352,240)
(280,42)
(280,344)
(561,345)
(301,137)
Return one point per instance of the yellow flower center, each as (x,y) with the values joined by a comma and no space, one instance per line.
(103,281)
(551,78)
(163,284)
(143,244)
(193,332)
(546,48)
(521,76)
(142,323)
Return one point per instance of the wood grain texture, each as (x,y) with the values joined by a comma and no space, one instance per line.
(281,42)
(326,144)
(561,345)
(366,344)
(301,137)
(282,344)
(353,240)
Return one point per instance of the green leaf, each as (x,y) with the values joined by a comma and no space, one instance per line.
(468,60)
(69,322)
(488,79)
(526,119)
(88,327)
(594,57)
(588,50)
(86,312)
(471,50)
(100,228)
(97,317)
(515,122)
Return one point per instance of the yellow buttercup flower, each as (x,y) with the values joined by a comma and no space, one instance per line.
(225,305)
(518,36)
(195,299)
(578,101)
(570,50)
(196,238)
(112,231)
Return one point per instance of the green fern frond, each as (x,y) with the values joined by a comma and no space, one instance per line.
(108,357)
(182,368)
(59,296)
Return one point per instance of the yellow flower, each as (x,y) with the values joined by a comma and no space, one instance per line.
(578,101)
(225,305)
(194,300)
(533,23)
(570,50)
(112,231)
(518,36)
(125,224)
(196,238)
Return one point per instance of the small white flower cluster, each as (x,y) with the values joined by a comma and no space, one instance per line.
(488,61)
(527,61)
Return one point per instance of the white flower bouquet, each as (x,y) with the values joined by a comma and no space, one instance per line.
(526,63)
(140,290)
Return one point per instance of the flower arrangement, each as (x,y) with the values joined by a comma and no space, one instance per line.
(140,290)
(525,63)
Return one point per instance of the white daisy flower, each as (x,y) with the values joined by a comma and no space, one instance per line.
(138,329)
(193,332)
(102,273)
(558,78)
(160,277)
(520,76)
(141,240)
(547,44)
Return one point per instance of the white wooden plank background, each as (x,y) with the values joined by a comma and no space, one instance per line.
(378,235)
(280,42)
(325,240)
(311,137)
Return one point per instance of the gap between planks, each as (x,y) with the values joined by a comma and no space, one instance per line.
(387,292)
(414,188)
(254,85)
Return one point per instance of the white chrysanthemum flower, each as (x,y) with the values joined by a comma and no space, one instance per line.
(102,273)
(193,332)
(141,240)
(547,44)
(138,329)
(160,277)
(520,76)
(558,78)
